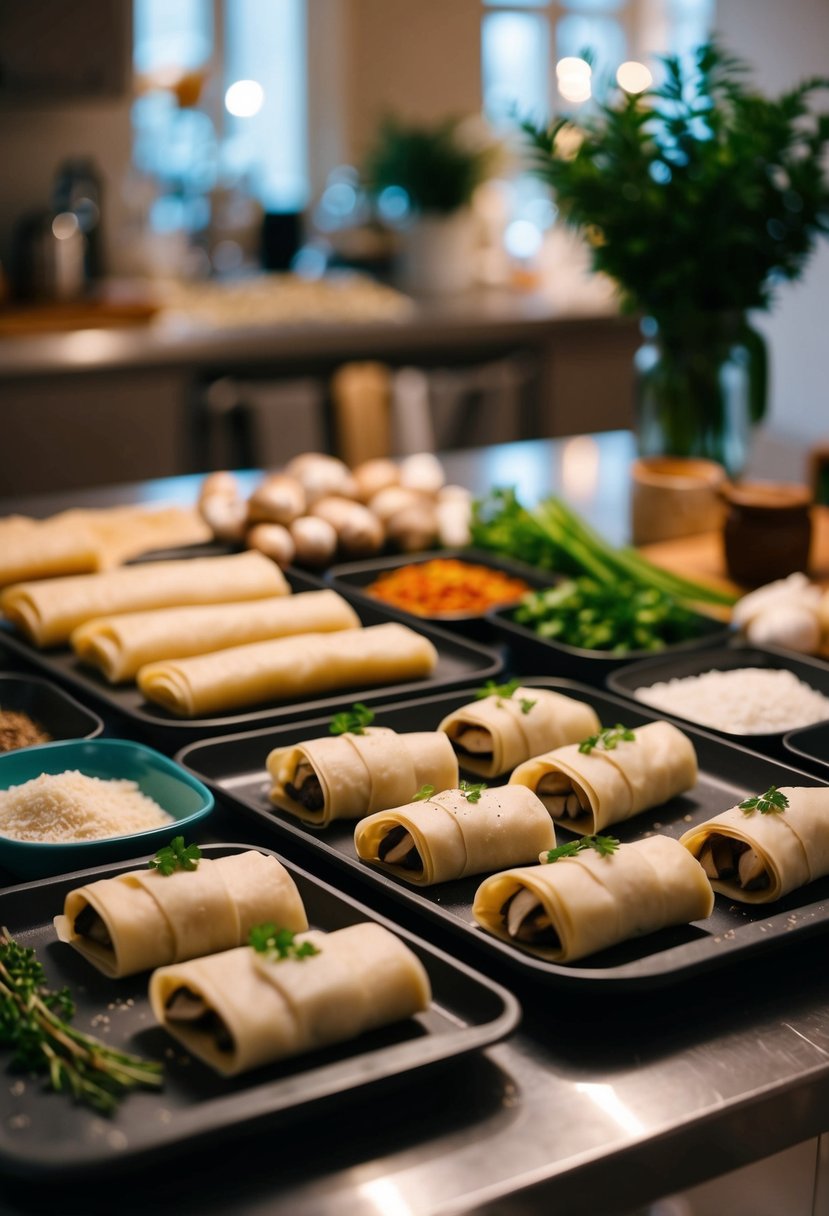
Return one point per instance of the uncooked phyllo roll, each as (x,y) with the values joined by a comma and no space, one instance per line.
(611,776)
(768,845)
(287,667)
(495,733)
(120,645)
(459,832)
(146,919)
(244,1008)
(594,899)
(47,611)
(351,775)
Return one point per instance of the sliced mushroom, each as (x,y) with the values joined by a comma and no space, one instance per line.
(562,797)
(184,1005)
(89,924)
(397,848)
(719,856)
(752,872)
(527,921)
(306,788)
(473,740)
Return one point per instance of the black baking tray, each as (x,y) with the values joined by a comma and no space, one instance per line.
(234,768)
(58,714)
(810,744)
(461,662)
(529,652)
(814,672)
(44,1136)
(351,580)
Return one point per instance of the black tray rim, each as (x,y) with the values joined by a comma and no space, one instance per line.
(785,659)
(793,739)
(627,977)
(249,1108)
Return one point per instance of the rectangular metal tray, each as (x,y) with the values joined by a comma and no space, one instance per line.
(814,672)
(45,1137)
(234,768)
(810,745)
(461,662)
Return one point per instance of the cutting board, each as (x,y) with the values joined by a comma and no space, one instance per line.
(702,556)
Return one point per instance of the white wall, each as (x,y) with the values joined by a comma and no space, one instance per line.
(785,43)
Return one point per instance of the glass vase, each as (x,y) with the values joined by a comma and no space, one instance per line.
(700,387)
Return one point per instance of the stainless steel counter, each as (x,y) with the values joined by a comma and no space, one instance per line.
(598,1103)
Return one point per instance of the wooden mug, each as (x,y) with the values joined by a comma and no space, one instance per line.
(674,496)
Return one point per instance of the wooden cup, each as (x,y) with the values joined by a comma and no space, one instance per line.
(675,496)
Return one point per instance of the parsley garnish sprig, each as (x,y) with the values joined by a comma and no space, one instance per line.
(278,944)
(424,793)
(471,792)
(34,1023)
(608,739)
(770,803)
(352,721)
(176,856)
(603,845)
(504,692)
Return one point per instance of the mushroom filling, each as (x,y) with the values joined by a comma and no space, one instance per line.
(397,848)
(89,924)
(184,1005)
(305,788)
(562,798)
(526,920)
(473,741)
(722,857)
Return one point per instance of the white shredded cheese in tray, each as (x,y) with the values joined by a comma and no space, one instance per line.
(58,807)
(742,701)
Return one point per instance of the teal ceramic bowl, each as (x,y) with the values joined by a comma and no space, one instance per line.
(160,778)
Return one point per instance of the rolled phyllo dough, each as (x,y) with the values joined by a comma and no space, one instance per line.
(588,791)
(349,776)
(145,919)
(756,858)
(120,645)
(287,667)
(36,549)
(239,1010)
(447,836)
(494,734)
(48,611)
(587,902)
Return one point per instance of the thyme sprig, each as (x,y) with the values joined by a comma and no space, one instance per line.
(34,1023)
(770,803)
(603,845)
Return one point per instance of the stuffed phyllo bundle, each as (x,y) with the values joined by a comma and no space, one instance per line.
(495,733)
(611,776)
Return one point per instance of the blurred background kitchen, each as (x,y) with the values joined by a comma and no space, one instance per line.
(197,272)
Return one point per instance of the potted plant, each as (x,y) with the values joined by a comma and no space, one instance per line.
(433,171)
(696,197)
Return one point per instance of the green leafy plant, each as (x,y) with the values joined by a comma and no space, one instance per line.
(424,793)
(472,791)
(699,190)
(438,165)
(352,721)
(278,944)
(770,803)
(607,740)
(504,692)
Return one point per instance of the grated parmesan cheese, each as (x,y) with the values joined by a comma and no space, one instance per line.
(742,701)
(56,807)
